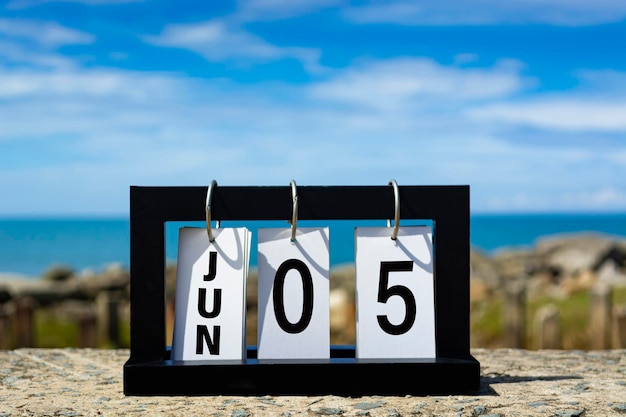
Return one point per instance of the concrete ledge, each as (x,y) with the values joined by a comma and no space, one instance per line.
(88,382)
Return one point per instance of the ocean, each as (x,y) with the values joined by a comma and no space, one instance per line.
(31,246)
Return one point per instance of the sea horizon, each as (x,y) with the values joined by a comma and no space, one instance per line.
(30,245)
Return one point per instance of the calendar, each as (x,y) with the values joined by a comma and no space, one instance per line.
(412,292)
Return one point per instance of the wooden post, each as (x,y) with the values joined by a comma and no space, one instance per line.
(170,311)
(108,317)
(619,327)
(600,316)
(24,322)
(547,332)
(87,330)
(515,315)
(5,328)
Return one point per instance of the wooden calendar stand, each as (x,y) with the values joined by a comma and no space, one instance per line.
(151,371)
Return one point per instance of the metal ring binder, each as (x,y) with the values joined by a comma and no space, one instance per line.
(208,210)
(294,214)
(396,221)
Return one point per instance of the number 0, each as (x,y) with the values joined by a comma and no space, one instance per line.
(385,293)
(307,296)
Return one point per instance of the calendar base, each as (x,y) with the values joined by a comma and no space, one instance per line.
(342,375)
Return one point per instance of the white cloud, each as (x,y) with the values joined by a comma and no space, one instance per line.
(608,83)
(19,54)
(43,33)
(490,12)
(75,83)
(619,157)
(608,196)
(262,10)
(588,199)
(603,198)
(35,43)
(221,40)
(567,114)
(24,4)
(397,83)
(596,105)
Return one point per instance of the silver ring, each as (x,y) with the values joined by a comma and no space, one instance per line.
(294,216)
(208,210)
(396,196)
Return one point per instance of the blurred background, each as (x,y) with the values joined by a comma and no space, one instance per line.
(523,101)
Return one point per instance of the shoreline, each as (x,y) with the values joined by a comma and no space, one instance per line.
(501,250)
(31,246)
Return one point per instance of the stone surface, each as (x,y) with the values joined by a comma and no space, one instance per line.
(88,382)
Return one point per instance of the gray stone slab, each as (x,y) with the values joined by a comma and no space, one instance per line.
(88,382)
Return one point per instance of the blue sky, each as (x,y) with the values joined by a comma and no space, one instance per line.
(524,100)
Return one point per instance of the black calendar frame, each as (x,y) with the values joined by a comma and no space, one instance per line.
(149,369)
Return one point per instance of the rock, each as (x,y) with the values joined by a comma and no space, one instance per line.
(571,253)
(58,273)
(615,254)
(366,406)
(515,264)
(479,410)
(610,273)
(568,413)
(341,314)
(328,411)
(59,286)
(518,383)
(483,269)
(557,265)
(5,295)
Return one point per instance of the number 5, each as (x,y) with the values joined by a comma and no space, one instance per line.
(384,293)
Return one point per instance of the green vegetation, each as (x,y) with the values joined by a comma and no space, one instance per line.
(52,332)
(486,323)
(486,320)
